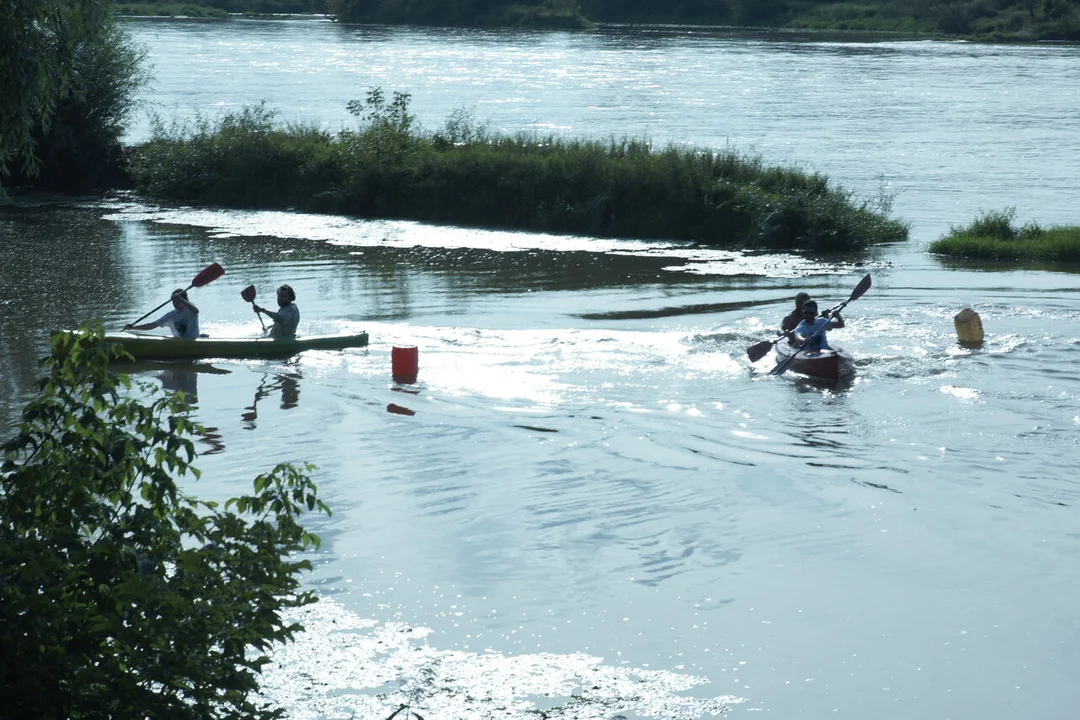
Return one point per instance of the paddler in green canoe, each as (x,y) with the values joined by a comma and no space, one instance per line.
(183,319)
(287,316)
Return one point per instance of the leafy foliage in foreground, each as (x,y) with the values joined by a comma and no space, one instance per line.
(462,174)
(992,236)
(121,595)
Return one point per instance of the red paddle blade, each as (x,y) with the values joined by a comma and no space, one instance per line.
(208,275)
(248,293)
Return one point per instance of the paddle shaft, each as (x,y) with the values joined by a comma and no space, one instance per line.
(761,349)
(248,294)
(786,363)
(758,351)
(208,275)
(158,307)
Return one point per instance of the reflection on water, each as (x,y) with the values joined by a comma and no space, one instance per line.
(174,376)
(212,438)
(182,382)
(285,382)
(824,386)
(181,377)
(50,281)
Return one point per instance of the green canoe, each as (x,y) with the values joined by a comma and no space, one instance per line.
(157,347)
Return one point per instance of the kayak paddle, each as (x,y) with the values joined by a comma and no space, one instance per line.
(857,293)
(761,349)
(248,294)
(208,275)
(756,352)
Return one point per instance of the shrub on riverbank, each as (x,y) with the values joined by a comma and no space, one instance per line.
(993,237)
(868,16)
(463,175)
(79,149)
(69,79)
(1021,21)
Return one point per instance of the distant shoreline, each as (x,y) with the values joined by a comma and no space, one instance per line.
(874,18)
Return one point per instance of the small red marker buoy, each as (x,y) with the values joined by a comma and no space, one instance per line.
(405,364)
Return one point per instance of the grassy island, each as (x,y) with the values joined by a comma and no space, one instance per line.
(463,175)
(993,237)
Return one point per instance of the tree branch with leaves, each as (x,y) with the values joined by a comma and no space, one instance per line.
(122,595)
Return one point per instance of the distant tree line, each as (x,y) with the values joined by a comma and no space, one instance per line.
(256,7)
(549,13)
(994,20)
(991,18)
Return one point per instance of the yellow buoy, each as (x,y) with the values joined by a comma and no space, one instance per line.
(969,329)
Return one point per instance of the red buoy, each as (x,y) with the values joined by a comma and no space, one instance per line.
(405,364)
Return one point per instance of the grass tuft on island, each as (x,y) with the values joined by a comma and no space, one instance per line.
(464,175)
(994,237)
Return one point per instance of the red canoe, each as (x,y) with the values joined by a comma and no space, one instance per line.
(830,364)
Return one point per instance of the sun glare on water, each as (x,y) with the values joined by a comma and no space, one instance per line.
(345,666)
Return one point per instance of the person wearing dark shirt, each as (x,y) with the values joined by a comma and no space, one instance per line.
(794,317)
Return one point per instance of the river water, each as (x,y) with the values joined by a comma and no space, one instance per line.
(597,505)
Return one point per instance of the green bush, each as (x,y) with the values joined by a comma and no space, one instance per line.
(463,175)
(80,148)
(122,596)
(37,69)
(992,236)
(866,16)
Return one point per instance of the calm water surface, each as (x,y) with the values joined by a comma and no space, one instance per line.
(597,493)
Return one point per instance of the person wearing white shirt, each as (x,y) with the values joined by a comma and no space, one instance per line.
(811,332)
(183,319)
